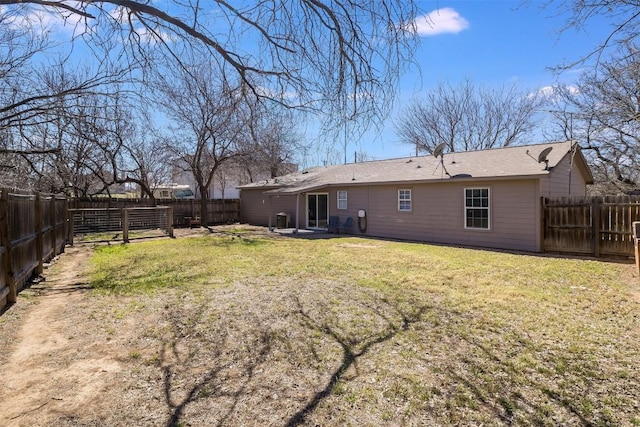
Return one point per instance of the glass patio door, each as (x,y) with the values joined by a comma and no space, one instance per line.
(317,210)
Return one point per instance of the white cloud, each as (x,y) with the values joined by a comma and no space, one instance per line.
(440,21)
(42,20)
(554,91)
(154,36)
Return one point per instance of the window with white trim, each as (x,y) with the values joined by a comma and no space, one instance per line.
(342,199)
(476,208)
(404,200)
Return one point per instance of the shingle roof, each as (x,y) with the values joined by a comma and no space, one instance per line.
(502,163)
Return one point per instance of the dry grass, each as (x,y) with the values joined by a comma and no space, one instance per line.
(239,330)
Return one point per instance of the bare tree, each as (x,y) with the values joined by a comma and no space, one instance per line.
(35,76)
(602,112)
(147,163)
(269,146)
(466,117)
(623,16)
(207,111)
(127,152)
(274,144)
(339,58)
(39,103)
(42,129)
(87,143)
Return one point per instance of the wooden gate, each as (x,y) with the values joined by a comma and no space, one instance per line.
(590,225)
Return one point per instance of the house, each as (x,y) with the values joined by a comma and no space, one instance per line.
(229,175)
(489,198)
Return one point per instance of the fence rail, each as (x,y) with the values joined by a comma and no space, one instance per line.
(590,225)
(32,231)
(218,211)
(117,223)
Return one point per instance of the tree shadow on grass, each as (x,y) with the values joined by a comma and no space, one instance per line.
(225,368)
(352,347)
(181,353)
(278,354)
(514,395)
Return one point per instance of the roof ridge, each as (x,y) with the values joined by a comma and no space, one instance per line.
(450,152)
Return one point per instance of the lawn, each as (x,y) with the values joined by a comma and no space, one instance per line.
(242,330)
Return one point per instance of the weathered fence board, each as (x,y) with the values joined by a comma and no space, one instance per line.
(218,211)
(590,225)
(22,234)
(32,231)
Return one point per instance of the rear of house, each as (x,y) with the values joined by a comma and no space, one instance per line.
(487,199)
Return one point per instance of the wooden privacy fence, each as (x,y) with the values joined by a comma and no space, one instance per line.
(218,211)
(32,231)
(590,225)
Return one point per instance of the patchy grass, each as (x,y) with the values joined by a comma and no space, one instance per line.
(348,331)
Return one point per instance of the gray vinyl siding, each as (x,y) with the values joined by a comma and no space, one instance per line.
(437,214)
(563,177)
(357,198)
(255,207)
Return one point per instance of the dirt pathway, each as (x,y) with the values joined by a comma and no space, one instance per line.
(65,355)
(47,371)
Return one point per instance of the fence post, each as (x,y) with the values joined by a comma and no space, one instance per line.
(170,220)
(636,241)
(70,229)
(65,228)
(125,224)
(595,218)
(54,225)
(5,240)
(37,207)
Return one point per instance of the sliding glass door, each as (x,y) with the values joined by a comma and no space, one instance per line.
(317,210)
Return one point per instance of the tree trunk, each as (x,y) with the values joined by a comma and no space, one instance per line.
(204,198)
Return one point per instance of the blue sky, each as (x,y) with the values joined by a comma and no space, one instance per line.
(492,43)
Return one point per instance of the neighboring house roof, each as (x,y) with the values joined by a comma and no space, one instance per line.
(500,163)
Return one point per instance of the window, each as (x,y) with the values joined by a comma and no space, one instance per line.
(342,199)
(164,194)
(404,200)
(476,208)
